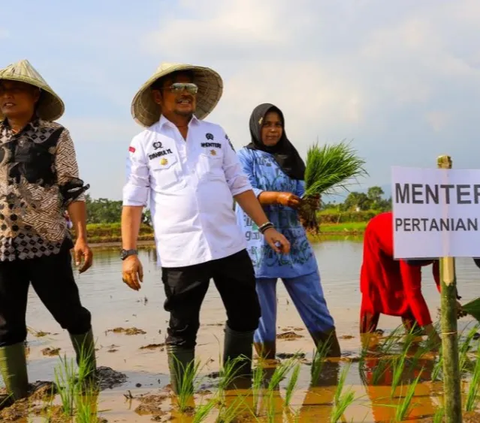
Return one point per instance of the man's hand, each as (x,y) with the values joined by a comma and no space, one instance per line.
(277,241)
(132,272)
(288,199)
(81,251)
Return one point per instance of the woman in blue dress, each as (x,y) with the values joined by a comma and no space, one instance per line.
(276,172)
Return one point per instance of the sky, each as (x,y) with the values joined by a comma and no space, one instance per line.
(400,79)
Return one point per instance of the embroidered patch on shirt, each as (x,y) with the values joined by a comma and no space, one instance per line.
(131,149)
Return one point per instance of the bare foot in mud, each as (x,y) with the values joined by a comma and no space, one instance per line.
(51,351)
(289,336)
(128,331)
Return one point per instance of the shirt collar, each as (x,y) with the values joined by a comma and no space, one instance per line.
(164,121)
(34,124)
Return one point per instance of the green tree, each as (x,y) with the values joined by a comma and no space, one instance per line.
(356,200)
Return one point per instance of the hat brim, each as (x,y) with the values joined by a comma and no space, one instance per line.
(210,88)
(50,106)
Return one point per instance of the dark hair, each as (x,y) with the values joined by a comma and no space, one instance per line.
(158,84)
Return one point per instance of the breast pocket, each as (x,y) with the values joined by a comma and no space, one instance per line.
(165,173)
(210,166)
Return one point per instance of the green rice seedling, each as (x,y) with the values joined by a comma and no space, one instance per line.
(230,413)
(380,369)
(438,368)
(65,379)
(465,348)
(258,373)
(203,411)
(398,367)
(342,400)
(472,394)
(404,406)
(319,360)
(86,408)
(291,385)
(228,373)
(280,373)
(438,417)
(186,384)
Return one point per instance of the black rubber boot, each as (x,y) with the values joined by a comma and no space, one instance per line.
(13,366)
(238,347)
(181,362)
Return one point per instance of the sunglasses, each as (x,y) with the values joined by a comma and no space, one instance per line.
(178,87)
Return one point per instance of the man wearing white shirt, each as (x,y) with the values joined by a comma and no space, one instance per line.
(188,170)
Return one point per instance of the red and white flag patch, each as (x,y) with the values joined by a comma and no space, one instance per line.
(131,149)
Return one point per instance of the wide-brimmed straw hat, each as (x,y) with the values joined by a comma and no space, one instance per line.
(50,106)
(210,88)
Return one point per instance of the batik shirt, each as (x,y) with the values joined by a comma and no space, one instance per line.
(266,175)
(38,180)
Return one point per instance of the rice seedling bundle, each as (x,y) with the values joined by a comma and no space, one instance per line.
(328,169)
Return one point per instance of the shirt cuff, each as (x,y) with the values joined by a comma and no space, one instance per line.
(134,195)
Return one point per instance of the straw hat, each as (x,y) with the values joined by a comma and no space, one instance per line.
(50,106)
(210,88)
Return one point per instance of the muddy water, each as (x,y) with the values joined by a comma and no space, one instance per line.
(114,306)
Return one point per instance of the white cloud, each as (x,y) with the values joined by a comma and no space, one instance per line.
(384,75)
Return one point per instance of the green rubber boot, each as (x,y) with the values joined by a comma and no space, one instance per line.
(181,363)
(13,366)
(238,349)
(84,346)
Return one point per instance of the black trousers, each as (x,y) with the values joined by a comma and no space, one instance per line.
(53,281)
(185,289)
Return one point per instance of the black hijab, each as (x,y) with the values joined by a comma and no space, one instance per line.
(284,153)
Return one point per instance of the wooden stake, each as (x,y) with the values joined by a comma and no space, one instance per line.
(451,371)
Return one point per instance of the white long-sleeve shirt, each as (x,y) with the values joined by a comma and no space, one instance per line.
(191,184)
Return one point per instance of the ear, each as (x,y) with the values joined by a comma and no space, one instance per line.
(157,97)
(36,95)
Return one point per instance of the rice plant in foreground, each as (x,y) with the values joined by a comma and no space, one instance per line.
(204,410)
(291,385)
(258,373)
(465,349)
(229,373)
(65,379)
(186,384)
(404,406)
(342,400)
(228,414)
(438,417)
(319,359)
(438,367)
(472,394)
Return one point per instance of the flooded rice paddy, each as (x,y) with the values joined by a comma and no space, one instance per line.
(388,378)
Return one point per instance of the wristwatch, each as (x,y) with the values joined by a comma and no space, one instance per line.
(125,253)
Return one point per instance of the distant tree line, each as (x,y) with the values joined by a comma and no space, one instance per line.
(103,210)
(360,201)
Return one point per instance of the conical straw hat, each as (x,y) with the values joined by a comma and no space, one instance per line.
(210,88)
(50,106)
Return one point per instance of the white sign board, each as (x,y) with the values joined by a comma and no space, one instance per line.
(436,212)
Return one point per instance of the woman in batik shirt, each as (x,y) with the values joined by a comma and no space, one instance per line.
(276,173)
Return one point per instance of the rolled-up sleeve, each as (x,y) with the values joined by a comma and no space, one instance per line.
(137,186)
(245,159)
(237,180)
